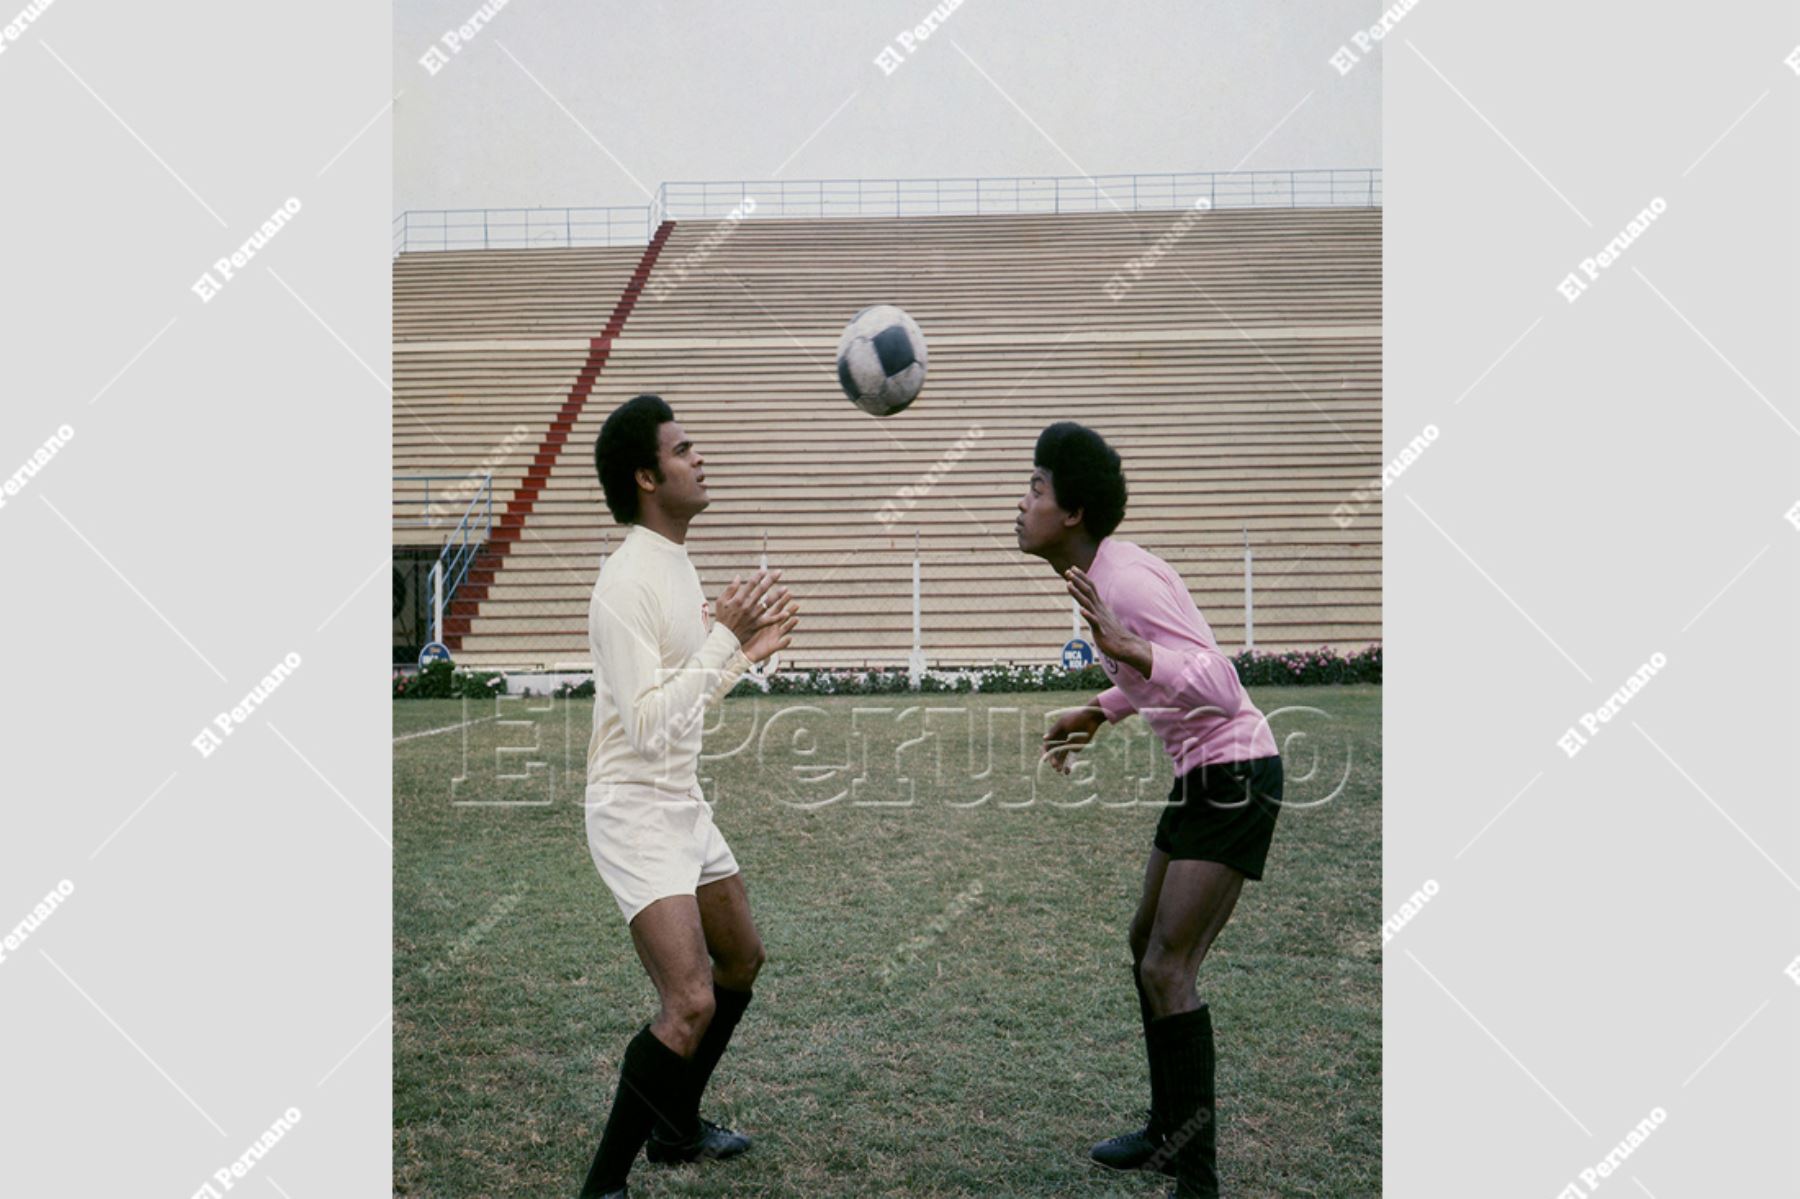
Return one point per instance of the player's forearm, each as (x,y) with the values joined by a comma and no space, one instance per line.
(668,703)
(1136,653)
(1197,679)
(727,675)
(1112,705)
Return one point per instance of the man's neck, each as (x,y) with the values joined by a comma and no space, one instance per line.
(1080,551)
(674,528)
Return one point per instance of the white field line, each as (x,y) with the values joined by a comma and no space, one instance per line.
(449,728)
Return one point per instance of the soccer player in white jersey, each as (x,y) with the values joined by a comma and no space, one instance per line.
(657,668)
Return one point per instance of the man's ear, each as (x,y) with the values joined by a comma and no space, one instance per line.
(1073,519)
(646,479)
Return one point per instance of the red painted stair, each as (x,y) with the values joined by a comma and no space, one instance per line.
(510,526)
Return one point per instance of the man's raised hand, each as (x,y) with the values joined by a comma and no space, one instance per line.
(759,614)
(1072,732)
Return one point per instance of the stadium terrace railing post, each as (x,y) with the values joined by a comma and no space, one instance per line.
(915,591)
(1249,596)
(915,662)
(437,600)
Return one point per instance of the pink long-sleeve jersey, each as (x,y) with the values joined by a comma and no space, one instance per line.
(1193,698)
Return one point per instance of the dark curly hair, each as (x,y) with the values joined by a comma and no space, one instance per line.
(1085,473)
(628,443)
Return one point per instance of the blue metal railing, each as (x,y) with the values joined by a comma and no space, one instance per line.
(456,494)
(520,228)
(472,529)
(1358,187)
(466,540)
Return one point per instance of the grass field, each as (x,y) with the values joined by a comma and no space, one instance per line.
(947,1006)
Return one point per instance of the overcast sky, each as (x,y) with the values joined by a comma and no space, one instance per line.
(708,90)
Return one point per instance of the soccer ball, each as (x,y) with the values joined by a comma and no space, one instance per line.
(881,360)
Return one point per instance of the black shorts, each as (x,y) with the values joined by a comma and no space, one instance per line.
(1223,813)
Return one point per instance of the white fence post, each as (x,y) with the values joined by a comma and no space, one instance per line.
(915,662)
(1249,596)
(437,600)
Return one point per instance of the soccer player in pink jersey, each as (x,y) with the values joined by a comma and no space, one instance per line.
(1216,828)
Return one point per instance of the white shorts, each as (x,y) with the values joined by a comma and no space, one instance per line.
(649,844)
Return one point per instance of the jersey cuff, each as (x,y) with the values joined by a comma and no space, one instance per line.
(1112,701)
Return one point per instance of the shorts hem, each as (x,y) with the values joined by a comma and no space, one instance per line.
(633,912)
(1242,868)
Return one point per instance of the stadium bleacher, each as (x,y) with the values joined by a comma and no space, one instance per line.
(1237,368)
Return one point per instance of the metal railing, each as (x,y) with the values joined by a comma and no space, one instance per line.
(461,545)
(633,225)
(520,228)
(463,495)
(1358,187)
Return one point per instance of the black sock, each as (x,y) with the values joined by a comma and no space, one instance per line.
(728,1009)
(1185,1044)
(652,1081)
(1159,1099)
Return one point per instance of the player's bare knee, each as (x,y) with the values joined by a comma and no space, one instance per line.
(1168,978)
(1139,939)
(752,965)
(738,972)
(1157,971)
(688,1012)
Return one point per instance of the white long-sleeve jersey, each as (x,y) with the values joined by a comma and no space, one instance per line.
(657,668)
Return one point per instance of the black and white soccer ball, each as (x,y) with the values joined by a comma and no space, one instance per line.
(881,360)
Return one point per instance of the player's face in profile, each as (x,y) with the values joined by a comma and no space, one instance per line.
(1041,524)
(683,485)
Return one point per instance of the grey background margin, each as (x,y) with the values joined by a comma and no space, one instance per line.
(1610,481)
